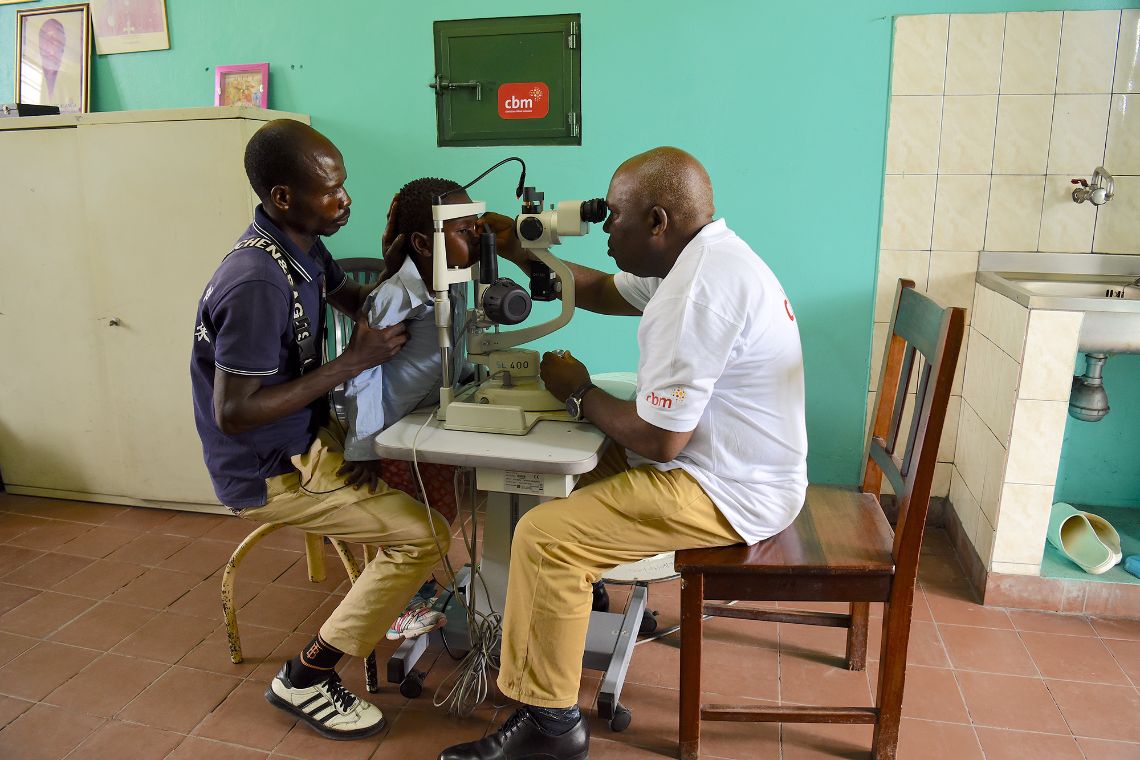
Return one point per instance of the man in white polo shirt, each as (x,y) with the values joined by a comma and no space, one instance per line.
(711,452)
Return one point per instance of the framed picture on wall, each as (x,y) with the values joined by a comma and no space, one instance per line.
(244,85)
(53,54)
(129,26)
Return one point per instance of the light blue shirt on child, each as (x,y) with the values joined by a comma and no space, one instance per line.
(382,395)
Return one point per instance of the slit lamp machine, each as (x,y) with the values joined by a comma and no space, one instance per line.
(508,396)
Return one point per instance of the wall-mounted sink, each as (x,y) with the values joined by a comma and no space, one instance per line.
(1078,288)
(1096,284)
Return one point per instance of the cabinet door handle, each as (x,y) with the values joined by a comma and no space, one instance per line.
(114,322)
(440,84)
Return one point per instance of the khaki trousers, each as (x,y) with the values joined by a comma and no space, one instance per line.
(316,500)
(561,547)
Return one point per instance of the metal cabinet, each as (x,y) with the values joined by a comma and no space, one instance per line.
(509,81)
(114,223)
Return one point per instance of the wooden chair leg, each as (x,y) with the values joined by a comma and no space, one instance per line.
(857,636)
(892,675)
(692,603)
(315,556)
(229,575)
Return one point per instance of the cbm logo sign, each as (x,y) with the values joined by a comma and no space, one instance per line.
(524,100)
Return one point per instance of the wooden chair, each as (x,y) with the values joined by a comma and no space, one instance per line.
(841,547)
(367,271)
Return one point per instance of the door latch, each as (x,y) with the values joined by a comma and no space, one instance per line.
(440,84)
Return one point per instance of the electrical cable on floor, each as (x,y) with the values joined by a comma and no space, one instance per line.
(468,685)
(443,631)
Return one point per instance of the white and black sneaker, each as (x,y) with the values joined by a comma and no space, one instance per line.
(332,710)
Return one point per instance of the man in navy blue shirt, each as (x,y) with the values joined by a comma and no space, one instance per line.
(260,405)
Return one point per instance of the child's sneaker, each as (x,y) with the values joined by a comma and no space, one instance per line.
(332,710)
(417,619)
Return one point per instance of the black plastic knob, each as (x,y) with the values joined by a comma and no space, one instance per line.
(505,302)
(531,228)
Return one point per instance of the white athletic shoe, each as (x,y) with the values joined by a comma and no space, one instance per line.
(332,710)
(419,618)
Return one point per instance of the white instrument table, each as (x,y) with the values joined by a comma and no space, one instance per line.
(563,450)
(517,472)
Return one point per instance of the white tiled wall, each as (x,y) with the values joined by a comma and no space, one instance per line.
(1011,426)
(991,117)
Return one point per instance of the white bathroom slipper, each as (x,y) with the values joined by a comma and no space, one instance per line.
(1087,539)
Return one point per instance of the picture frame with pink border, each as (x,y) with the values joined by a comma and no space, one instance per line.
(242,85)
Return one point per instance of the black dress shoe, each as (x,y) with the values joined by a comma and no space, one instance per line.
(521,738)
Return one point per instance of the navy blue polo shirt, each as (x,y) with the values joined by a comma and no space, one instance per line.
(245,326)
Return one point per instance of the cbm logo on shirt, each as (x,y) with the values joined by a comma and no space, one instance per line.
(524,100)
(665,402)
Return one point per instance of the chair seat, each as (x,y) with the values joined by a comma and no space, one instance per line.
(839,533)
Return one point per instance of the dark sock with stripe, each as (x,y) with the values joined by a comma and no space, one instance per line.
(314,664)
(555,720)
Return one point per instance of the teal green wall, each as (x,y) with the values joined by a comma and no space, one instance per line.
(1100,461)
(785,103)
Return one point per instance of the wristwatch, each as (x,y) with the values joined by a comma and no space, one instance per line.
(574,400)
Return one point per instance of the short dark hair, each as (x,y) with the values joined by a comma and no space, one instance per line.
(413,203)
(274,156)
(413,214)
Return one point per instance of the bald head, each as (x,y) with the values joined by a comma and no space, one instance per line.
(674,180)
(659,201)
(284,152)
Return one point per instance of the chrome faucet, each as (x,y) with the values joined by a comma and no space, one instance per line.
(1098,190)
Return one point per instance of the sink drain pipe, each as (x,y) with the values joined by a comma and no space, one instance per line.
(1088,400)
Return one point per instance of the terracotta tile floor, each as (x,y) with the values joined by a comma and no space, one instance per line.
(112,645)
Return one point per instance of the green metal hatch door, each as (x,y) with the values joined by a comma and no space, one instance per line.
(508,81)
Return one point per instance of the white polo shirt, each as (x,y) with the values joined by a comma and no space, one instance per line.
(720,355)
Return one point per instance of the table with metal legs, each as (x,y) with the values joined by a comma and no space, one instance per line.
(517,473)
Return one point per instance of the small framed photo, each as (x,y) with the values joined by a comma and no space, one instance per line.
(129,26)
(245,85)
(53,54)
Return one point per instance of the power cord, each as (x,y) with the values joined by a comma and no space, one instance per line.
(468,684)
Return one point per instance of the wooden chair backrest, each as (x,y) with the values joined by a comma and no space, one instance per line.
(923,329)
